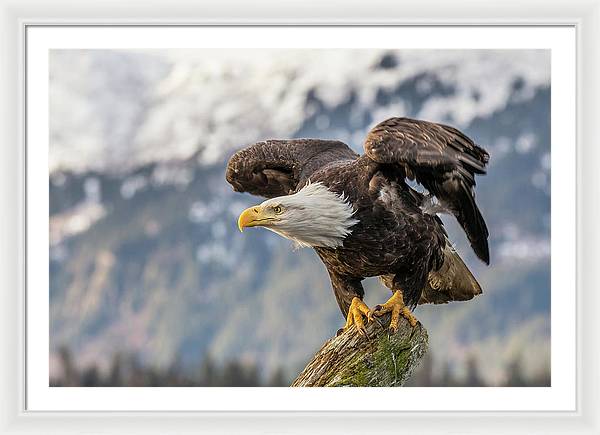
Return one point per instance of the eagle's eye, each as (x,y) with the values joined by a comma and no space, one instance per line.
(277,209)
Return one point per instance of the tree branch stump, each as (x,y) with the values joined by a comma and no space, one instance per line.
(379,360)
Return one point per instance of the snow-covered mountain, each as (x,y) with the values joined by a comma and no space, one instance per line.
(145,256)
(113,110)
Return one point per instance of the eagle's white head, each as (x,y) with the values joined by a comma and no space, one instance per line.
(313,216)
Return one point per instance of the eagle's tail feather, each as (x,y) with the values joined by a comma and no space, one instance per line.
(452,282)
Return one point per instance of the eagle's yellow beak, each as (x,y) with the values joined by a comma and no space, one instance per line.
(250,217)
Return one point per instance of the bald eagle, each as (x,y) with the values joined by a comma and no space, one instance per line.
(363,218)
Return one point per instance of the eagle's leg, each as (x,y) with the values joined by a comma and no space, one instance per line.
(357,310)
(396,306)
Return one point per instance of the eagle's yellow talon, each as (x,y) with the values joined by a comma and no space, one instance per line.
(357,310)
(396,306)
(370,316)
(408,315)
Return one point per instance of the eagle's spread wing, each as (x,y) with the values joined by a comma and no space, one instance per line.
(276,167)
(443,160)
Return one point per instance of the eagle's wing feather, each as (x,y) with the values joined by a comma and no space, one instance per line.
(443,160)
(276,167)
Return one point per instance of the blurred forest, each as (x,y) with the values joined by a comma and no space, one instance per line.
(127,371)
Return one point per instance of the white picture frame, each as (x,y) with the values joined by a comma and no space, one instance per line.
(15,16)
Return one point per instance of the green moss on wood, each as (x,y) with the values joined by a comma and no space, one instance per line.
(380,360)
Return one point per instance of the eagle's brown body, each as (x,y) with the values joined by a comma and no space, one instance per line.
(395,237)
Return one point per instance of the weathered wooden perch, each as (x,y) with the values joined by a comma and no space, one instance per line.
(381,360)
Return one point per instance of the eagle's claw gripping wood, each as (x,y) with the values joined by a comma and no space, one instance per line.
(396,306)
(357,310)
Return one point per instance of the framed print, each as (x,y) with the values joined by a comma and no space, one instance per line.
(131,282)
(422,185)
